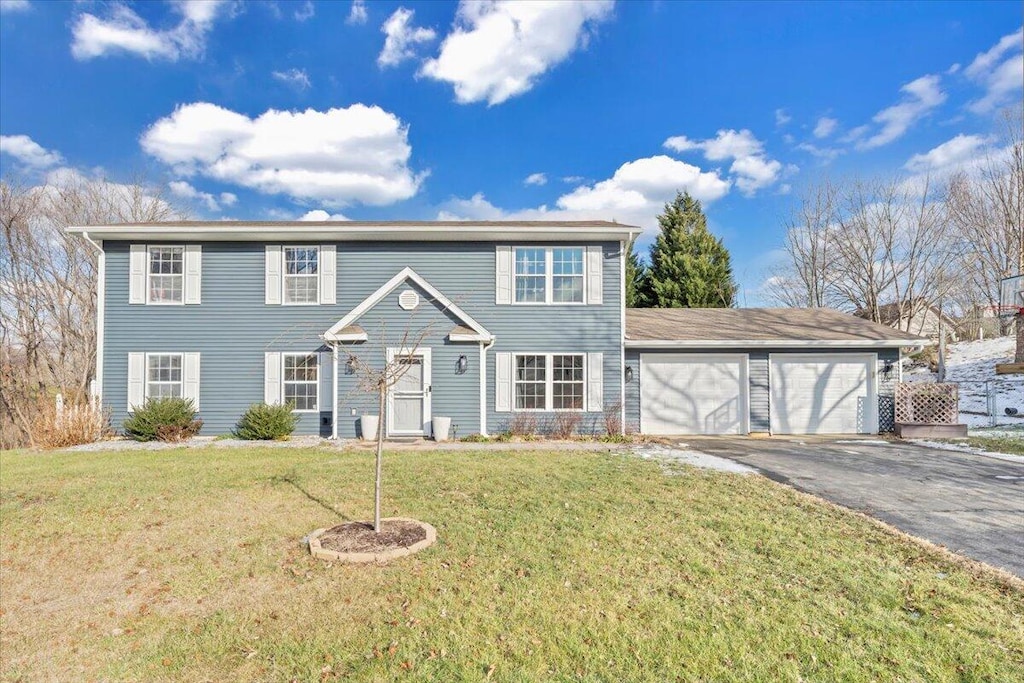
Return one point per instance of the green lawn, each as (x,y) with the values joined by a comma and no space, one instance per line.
(1013,445)
(187,565)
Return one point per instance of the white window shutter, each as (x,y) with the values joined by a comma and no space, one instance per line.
(324,376)
(136,380)
(272,378)
(190,374)
(503,382)
(137,274)
(595,382)
(273,267)
(503,274)
(328,273)
(595,274)
(193,273)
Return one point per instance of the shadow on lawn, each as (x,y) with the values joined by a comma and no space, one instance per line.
(292,481)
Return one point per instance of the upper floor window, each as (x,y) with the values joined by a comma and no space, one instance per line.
(301,275)
(166,275)
(549,275)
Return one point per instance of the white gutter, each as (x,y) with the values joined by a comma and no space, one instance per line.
(101,292)
(769,343)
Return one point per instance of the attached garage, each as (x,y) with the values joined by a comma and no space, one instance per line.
(823,393)
(694,394)
(759,370)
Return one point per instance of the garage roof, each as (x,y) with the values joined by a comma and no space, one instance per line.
(766,327)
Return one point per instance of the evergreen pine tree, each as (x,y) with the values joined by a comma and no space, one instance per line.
(636,274)
(690,267)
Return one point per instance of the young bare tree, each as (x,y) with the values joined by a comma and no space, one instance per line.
(48,286)
(378,376)
(805,276)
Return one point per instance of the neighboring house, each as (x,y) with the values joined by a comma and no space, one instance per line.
(916,317)
(497,318)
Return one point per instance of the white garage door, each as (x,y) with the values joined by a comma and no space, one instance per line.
(693,394)
(823,394)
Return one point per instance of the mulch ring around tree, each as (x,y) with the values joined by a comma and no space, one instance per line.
(357,541)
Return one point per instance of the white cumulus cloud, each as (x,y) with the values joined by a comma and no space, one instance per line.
(180,188)
(960,150)
(781,117)
(297,78)
(921,96)
(29,152)
(825,127)
(635,194)
(124,31)
(357,14)
(305,11)
(321,215)
(751,168)
(336,157)
(498,49)
(401,38)
(1000,71)
(14,5)
(536,179)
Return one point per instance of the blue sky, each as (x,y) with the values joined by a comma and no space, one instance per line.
(280,110)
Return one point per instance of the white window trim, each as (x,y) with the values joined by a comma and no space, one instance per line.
(146,381)
(285,275)
(301,354)
(149,274)
(549,383)
(549,277)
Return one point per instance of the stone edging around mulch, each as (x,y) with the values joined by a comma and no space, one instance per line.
(381,557)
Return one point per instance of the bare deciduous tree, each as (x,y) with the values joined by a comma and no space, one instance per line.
(48,286)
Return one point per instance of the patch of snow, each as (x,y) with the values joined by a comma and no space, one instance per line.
(964,448)
(972,366)
(687,457)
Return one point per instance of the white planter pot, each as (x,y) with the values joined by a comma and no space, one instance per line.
(368,427)
(440,426)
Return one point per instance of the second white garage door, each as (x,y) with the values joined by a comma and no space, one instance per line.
(693,394)
(823,394)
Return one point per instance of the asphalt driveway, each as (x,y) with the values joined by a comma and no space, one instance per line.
(971,504)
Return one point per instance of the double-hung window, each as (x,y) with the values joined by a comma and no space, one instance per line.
(549,382)
(166,275)
(549,275)
(301,275)
(301,381)
(164,375)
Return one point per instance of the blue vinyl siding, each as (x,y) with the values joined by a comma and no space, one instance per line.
(232,329)
(760,416)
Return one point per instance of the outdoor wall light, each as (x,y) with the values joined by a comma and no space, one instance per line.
(887,369)
(629,373)
(350,366)
(462,364)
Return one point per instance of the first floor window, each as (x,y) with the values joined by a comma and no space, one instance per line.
(163,375)
(549,382)
(301,275)
(301,381)
(166,275)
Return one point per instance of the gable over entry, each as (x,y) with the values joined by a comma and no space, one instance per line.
(346,329)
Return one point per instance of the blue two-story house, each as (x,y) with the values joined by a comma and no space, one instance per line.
(496,323)
(500,318)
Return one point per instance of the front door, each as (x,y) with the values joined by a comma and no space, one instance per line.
(409,397)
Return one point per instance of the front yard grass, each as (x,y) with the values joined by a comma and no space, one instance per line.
(188,565)
(1014,445)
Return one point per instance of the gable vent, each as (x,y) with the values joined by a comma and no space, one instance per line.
(408,300)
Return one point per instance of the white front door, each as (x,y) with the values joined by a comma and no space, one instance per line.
(823,394)
(409,397)
(698,393)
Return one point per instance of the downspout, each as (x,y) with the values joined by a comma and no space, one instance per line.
(334,392)
(484,346)
(101,291)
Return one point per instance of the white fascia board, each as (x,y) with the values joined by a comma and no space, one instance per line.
(363,233)
(334,334)
(769,343)
(468,338)
(359,336)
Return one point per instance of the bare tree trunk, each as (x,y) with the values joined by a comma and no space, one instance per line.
(1018,356)
(382,406)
